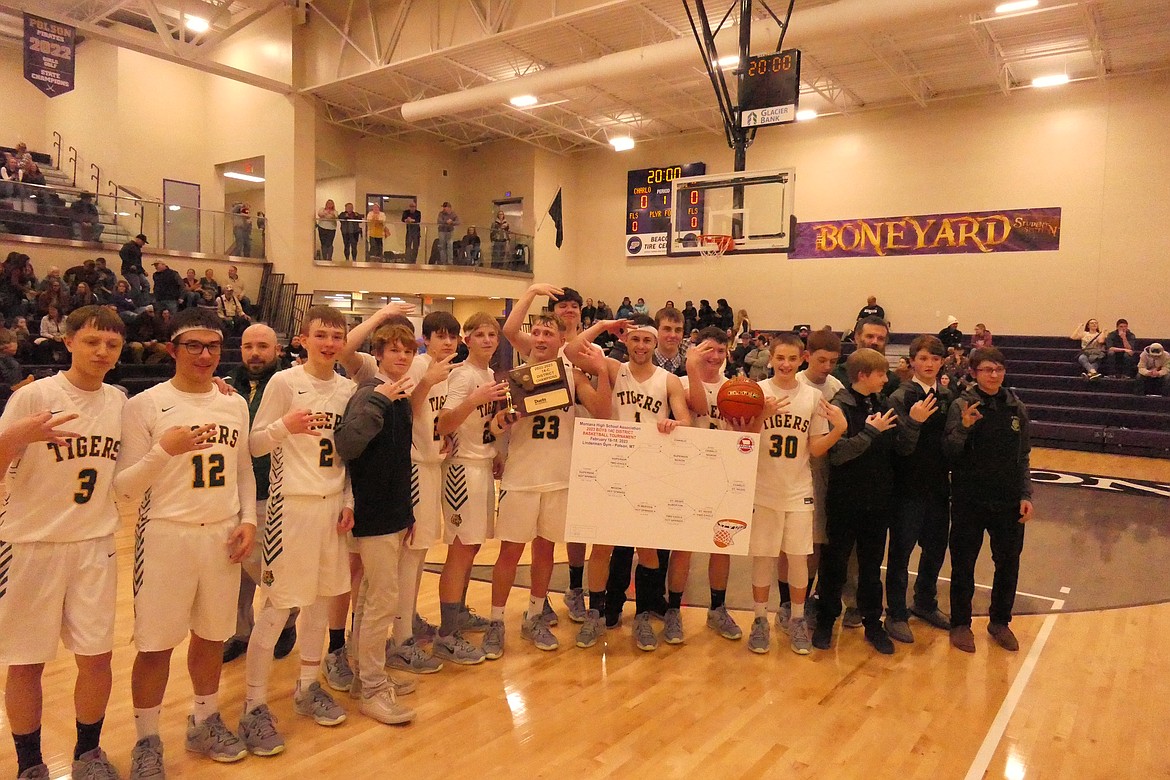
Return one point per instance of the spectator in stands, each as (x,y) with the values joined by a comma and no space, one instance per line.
(15,286)
(85,272)
(736,361)
(604,312)
(706,316)
(471,246)
(871,309)
(56,295)
(122,302)
(168,287)
(904,371)
(499,236)
(24,340)
(412,218)
(164,318)
(1121,351)
(241,229)
(1092,348)
(724,316)
(981,337)
(625,309)
(295,353)
(231,312)
(1153,371)
(327,229)
(22,155)
(12,376)
(951,336)
(131,255)
(86,220)
(146,336)
(957,370)
(11,177)
(447,220)
(192,289)
(241,289)
(53,274)
(209,282)
(641,308)
(375,231)
(49,346)
(588,311)
(105,279)
(207,300)
(690,316)
(351,231)
(693,339)
(82,296)
(743,323)
(758,359)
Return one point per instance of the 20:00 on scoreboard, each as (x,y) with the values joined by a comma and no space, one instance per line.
(648,207)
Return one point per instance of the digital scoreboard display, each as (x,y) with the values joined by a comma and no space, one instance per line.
(770,92)
(648,207)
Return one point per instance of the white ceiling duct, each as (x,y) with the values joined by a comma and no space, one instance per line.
(841,18)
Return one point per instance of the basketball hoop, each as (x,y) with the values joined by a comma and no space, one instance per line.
(725,531)
(715,244)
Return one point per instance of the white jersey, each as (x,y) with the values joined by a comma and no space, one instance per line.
(783,476)
(636,401)
(710,418)
(202,486)
(827,389)
(473,437)
(302,465)
(62,493)
(426,443)
(540,447)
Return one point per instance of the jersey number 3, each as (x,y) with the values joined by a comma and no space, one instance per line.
(212,476)
(87,479)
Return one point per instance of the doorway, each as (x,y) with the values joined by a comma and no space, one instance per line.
(181,218)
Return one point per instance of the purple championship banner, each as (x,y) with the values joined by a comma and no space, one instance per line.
(48,55)
(974,232)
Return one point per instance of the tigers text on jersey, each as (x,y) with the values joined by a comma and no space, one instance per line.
(62,493)
(710,418)
(426,443)
(540,447)
(201,486)
(302,465)
(473,439)
(636,401)
(783,476)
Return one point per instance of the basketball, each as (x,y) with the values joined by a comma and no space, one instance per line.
(739,398)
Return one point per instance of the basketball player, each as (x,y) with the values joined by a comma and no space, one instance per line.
(534,489)
(59,441)
(304,561)
(641,392)
(469,491)
(185,463)
(793,428)
(566,306)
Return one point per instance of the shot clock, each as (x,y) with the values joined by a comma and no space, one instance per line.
(648,207)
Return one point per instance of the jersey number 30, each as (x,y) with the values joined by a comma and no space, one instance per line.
(784,446)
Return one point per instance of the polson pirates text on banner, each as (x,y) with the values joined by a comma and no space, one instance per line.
(976,232)
(48,55)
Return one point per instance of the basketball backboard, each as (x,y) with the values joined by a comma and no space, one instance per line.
(753,207)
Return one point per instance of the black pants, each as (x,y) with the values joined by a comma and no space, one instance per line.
(1002,524)
(620,564)
(326,237)
(412,239)
(864,527)
(1120,363)
(349,244)
(374,250)
(924,521)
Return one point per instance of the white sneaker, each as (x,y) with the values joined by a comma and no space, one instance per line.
(382,705)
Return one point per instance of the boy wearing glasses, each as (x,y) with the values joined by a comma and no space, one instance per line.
(185,462)
(987,443)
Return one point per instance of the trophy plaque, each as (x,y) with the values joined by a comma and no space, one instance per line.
(538,387)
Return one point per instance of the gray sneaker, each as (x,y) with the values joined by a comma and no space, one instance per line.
(575,601)
(423,630)
(592,629)
(91,765)
(672,629)
(721,620)
(211,738)
(537,631)
(798,638)
(338,673)
(401,687)
(900,630)
(146,759)
(409,657)
(852,618)
(644,636)
(457,650)
(258,732)
(38,772)
(316,703)
(382,705)
(760,639)
(471,623)
(783,615)
(549,615)
(493,640)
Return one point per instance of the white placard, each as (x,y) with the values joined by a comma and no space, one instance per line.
(691,489)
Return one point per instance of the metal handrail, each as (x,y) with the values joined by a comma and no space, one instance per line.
(57,145)
(73,159)
(96,176)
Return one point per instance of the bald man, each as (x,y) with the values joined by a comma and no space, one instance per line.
(261,354)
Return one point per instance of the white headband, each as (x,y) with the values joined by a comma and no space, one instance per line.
(653,331)
(187,328)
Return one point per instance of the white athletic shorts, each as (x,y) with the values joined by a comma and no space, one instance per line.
(469,501)
(775,532)
(56,591)
(304,558)
(526,514)
(184,581)
(820,472)
(426,493)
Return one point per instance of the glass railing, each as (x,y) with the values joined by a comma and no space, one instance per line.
(67,213)
(348,241)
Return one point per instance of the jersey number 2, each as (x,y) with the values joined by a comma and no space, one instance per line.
(87,479)
(326,454)
(214,472)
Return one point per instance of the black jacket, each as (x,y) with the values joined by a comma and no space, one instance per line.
(951,337)
(374,439)
(920,469)
(861,468)
(241,380)
(131,255)
(990,461)
(168,285)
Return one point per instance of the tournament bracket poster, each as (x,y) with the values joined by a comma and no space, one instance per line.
(48,55)
(648,207)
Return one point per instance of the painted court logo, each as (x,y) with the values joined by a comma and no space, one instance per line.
(725,531)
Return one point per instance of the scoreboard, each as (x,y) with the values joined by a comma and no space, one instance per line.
(770,91)
(648,207)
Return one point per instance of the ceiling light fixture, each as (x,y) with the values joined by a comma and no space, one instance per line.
(1016,5)
(524,101)
(450,297)
(621,143)
(197,24)
(1055,80)
(243,177)
(730,61)
(806,114)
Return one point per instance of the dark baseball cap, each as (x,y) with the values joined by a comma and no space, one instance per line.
(569,294)
(143,237)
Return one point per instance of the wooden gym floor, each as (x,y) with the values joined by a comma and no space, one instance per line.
(1085,697)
